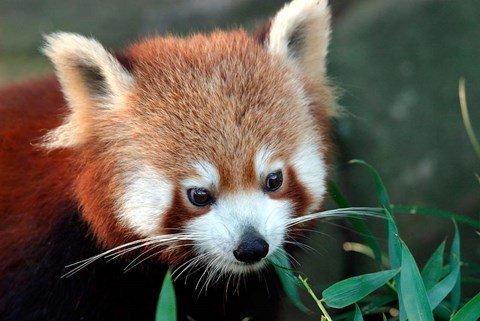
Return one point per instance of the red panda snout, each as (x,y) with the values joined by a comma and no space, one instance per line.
(252,247)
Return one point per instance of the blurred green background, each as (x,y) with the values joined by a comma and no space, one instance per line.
(396,65)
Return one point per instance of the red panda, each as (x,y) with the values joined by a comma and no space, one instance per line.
(193,153)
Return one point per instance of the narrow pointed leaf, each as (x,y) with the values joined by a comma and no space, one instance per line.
(394,245)
(379,302)
(381,190)
(440,291)
(413,291)
(337,195)
(470,311)
(414,210)
(395,255)
(351,290)
(358,314)
(443,311)
(384,318)
(167,306)
(287,278)
(454,258)
(432,271)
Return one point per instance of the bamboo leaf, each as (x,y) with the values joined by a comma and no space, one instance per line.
(455,259)
(410,209)
(470,311)
(395,255)
(167,306)
(443,311)
(413,291)
(432,271)
(287,278)
(351,290)
(381,190)
(358,314)
(337,195)
(440,291)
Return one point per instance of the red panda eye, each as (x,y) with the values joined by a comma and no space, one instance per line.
(274,181)
(199,197)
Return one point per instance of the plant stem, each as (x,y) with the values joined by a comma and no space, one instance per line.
(466,117)
(319,302)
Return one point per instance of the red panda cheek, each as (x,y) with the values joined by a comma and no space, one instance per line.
(94,190)
(177,216)
(174,220)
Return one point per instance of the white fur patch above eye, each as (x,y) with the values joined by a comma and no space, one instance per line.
(311,170)
(208,176)
(147,195)
(264,164)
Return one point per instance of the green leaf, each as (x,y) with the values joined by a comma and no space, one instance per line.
(432,271)
(384,317)
(337,196)
(440,291)
(167,305)
(470,311)
(414,295)
(394,246)
(443,311)
(381,190)
(352,290)
(377,303)
(411,209)
(288,280)
(455,259)
(358,314)
(395,255)
(358,224)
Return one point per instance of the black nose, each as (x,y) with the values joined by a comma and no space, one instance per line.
(252,248)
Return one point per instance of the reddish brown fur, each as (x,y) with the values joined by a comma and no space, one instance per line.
(22,123)
(202,63)
(177,103)
(194,76)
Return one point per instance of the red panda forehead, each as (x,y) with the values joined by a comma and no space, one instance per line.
(216,98)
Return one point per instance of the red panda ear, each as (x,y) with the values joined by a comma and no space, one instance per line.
(93,82)
(300,33)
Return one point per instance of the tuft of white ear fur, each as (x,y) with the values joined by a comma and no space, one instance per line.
(93,82)
(300,34)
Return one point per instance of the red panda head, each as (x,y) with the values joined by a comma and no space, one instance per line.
(216,141)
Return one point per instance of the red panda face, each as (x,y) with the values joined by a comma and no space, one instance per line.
(217,141)
(235,152)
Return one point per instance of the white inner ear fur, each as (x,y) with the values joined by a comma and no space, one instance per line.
(147,195)
(300,33)
(93,82)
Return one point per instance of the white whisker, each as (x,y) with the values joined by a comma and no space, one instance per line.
(340,212)
(126,248)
